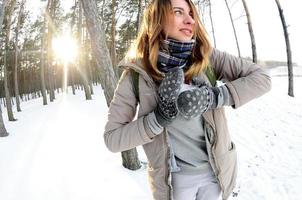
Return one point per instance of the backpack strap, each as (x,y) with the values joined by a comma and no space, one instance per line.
(134,76)
(210,74)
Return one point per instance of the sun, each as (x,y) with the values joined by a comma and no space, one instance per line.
(65,48)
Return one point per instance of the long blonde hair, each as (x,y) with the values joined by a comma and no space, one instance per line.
(151,34)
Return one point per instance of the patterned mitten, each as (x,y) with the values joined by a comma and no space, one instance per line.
(217,92)
(168,92)
(195,101)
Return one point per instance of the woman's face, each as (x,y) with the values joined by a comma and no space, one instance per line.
(180,25)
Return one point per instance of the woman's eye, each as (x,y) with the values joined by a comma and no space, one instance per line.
(177,12)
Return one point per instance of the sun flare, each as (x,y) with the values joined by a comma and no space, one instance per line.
(65,48)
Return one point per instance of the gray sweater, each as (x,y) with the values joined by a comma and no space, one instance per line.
(187,139)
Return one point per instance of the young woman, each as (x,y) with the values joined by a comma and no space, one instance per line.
(181,122)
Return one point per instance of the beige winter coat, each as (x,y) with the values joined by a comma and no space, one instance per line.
(245,82)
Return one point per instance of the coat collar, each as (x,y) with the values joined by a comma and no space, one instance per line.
(137,65)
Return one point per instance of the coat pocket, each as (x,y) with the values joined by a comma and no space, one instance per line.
(227,165)
(158,183)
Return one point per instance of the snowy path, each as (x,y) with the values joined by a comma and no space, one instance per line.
(56,152)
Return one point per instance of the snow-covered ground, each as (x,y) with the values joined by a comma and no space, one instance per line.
(56,152)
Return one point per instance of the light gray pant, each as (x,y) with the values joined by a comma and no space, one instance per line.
(195,187)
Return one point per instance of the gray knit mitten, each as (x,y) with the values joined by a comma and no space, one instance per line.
(197,100)
(168,92)
(215,92)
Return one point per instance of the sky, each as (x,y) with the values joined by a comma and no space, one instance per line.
(267,28)
(57,152)
(266,23)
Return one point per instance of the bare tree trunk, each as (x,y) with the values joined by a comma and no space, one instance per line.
(139,16)
(42,60)
(113,51)
(234,30)
(90,77)
(89,72)
(30,86)
(212,24)
(100,50)
(2,12)
(24,79)
(3,131)
(72,66)
(201,9)
(288,51)
(54,78)
(7,93)
(108,79)
(16,56)
(83,67)
(130,159)
(50,11)
(34,82)
(71,71)
(27,75)
(249,23)
(8,16)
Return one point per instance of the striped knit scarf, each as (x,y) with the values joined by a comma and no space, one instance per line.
(174,54)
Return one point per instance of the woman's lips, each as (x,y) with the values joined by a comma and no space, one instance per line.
(186,31)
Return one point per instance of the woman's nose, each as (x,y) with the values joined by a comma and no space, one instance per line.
(189,20)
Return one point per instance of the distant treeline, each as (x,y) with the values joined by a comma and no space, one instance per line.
(271,63)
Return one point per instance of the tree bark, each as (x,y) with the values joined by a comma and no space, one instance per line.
(88,63)
(3,131)
(6,89)
(139,16)
(212,24)
(288,51)
(99,48)
(42,60)
(130,159)
(90,77)
(24,79)
(16,56)
(103,61)
(72,68)
(8,16)
(50,13)
(82,64)
(2,12)
(71,72)
(249,23)
(200,8)
(234,29)
(113,51)
(31,85)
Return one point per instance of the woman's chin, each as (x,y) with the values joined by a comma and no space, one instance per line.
(182,39)
(185,38)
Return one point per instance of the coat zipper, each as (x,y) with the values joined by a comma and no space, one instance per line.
(168,173)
